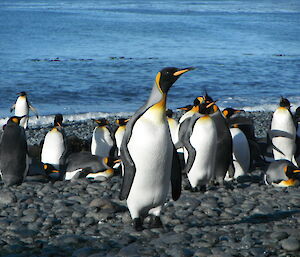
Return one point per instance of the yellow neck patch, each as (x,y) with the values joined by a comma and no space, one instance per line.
(157,79)
(15,120)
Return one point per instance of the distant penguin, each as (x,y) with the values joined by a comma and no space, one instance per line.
(79,165)
(102,140)
(224,160)
(120,131)
(241,152)
(283,132)
(54,148)
(13,153)
(241,149)
(173,125)
(149,157)
(282,173)
(22,107)
(200,141)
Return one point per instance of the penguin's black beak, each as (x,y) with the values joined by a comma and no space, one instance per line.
(181,71)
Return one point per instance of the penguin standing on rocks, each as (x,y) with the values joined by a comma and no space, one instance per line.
(283,132)
(199,138)
(13,153)
(22,107)
(149,157)
(102,141)
(54,150)
(241,149)
(120,131)
(224,160)
(282,173)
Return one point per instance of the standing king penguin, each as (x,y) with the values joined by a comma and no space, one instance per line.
(22,107)
(55,146)
(120,131)
(149,157)
(102,140)
(13,153)
(283,132)
(200,137)
(224,160)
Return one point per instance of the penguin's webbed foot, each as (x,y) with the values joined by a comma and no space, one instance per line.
(155,222)
(138,224)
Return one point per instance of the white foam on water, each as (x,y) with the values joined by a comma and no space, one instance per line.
(48,119)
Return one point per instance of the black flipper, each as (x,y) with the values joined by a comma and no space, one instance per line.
(176,176)
(187,144)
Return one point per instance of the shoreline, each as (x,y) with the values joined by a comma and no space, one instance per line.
(86,218)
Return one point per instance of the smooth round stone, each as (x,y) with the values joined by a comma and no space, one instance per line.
(290,244)
(279,235)
(7,198)
(202,252)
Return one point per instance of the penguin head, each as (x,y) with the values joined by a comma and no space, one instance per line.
(50,171)
(58,119)
(167,77)
(111,161)
(292,172)
(186,108)
(15,119)
(22,93)
(122,121)
(101,122)
(284,102)
(207,98)
(169,113)
(228,112)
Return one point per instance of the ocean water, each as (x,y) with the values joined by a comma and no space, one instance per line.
(89,58)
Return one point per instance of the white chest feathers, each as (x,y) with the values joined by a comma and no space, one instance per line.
(151,149)
(173,125)
(119,137)
(101,141)
(241,152)
(53,148)
(21,107)
(283,133)
(204,141)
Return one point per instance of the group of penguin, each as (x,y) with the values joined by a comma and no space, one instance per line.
(152,149)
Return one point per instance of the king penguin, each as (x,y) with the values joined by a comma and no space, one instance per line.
(79,165)
(282,173)
(240,146)
(102,141)
(200,141)
(120,131)
(283,132)
(14,161)
(224,160)
(54,148)
(149,157)
(22,107)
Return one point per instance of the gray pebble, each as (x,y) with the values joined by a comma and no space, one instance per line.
(290,244)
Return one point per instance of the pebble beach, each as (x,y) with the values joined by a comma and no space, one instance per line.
(84,218)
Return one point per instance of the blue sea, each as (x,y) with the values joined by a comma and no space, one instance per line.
(91,58)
